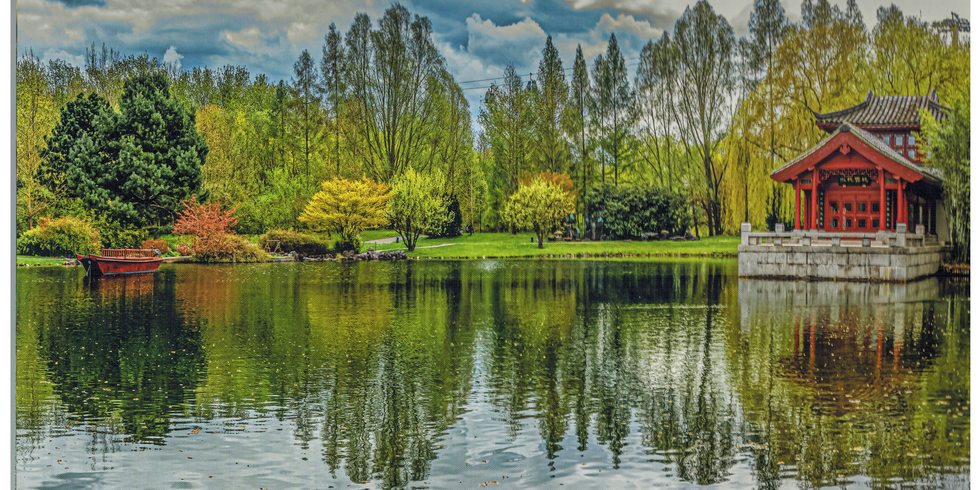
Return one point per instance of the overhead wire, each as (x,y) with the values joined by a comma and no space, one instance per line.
(531,76)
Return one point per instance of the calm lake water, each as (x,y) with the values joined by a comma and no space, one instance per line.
(498,374)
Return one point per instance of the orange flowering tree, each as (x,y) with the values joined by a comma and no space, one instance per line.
(210,227)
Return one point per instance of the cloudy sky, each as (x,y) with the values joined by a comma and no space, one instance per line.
(477,38)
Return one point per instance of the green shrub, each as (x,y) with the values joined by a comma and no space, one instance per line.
(60,237)
(242,250)
(235,248)
(293,241)
(157,244)
(454,223)
(118,235)
(347,242)
(631,210)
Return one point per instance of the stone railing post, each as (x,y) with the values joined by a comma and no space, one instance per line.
(746,229)
(920,229)
(900,230)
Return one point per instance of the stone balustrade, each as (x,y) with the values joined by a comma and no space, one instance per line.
(896,256)
(808,238)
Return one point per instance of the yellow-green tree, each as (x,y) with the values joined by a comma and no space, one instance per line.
(540,206)
(948,147)
(36,117)
(347,207)
(416,205)
(911,57)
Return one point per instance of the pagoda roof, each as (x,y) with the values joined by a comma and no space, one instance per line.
(895,112)
(865,143)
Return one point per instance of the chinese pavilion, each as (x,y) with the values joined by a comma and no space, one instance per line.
(866,176)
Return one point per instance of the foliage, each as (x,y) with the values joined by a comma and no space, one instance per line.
(392,73)
(705,115)
(347,207)
(508,119)
(135,165)
(705,56)
(416,206)
(550,147)
(156,244)
(236,249)
(60,237)
(36,117)
(629,211)
(948,145)
(453,224)
(541,206)
(115,234)
(613,111)
(287,241)
(209,226)
(562,180)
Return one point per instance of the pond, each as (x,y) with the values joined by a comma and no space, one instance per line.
(470,374)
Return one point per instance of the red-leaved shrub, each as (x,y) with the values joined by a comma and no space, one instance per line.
(209,225)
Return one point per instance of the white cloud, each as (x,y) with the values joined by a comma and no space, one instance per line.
(53,54)
(172,56)
(302,31)
(519,43)
(627,22)
(246,38)
(658,10)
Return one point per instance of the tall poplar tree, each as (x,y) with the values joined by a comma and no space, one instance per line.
(615,114)
(706,49)
(307,100)
(656,86)
(552,149)
(575,119)
(331,69)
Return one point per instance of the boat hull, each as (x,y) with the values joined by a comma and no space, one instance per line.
(97,265)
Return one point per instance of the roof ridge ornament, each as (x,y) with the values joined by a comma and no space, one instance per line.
(869,96)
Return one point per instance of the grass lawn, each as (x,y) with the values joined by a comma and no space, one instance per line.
(34,261)
(377,234)
(503,245)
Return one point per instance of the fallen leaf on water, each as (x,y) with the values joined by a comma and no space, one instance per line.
(196,431)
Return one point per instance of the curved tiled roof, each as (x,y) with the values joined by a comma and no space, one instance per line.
(931,174)
(885,112)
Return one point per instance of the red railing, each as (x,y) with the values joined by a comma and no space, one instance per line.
(127,252)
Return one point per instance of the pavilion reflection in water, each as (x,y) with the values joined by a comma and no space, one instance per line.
(859,374)
(848,338)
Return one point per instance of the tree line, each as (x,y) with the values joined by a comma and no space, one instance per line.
(702,115)
(706,114)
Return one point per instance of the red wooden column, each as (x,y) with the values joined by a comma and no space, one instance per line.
(796,185)
(881,198)
(901,211)
(813,199)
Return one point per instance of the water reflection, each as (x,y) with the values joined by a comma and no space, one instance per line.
(447,372)
(859,379)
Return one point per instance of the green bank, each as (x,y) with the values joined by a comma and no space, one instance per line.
(506,245)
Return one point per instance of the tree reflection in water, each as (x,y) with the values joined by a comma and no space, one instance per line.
(701,375)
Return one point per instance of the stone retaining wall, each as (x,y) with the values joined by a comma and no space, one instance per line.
(839,263)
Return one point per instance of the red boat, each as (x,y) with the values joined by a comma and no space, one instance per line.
(120,261)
